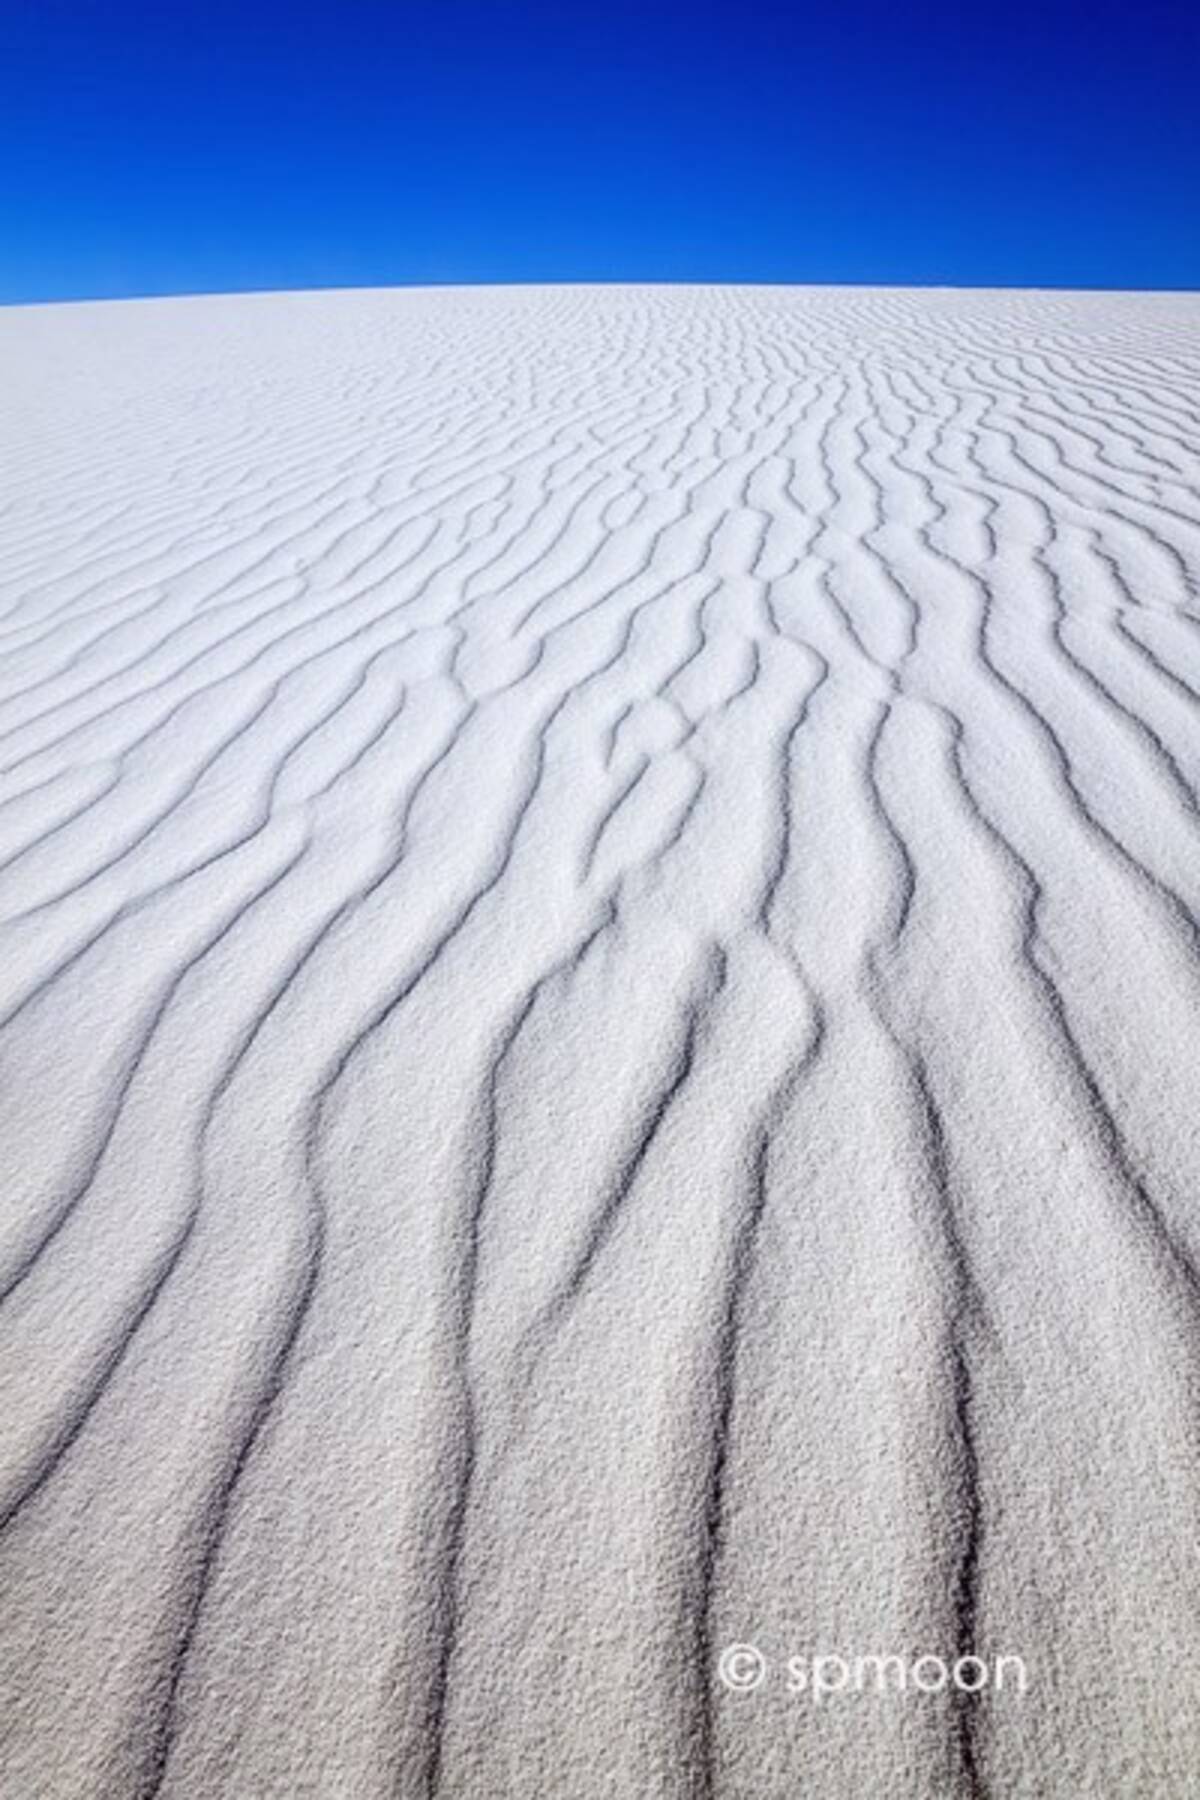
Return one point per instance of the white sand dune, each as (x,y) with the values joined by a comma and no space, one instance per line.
(599,1012)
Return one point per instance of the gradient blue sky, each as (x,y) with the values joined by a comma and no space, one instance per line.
(180,147)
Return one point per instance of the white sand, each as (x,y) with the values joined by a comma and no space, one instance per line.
(600,1025)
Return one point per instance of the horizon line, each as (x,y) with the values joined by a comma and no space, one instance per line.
(335,287)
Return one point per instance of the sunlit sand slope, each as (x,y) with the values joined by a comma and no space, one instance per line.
(599,1028)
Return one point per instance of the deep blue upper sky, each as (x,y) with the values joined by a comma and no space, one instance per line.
(179,146)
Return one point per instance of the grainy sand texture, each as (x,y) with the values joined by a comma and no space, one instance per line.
(599,1028)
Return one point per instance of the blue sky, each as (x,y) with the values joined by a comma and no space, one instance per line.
(179,147)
